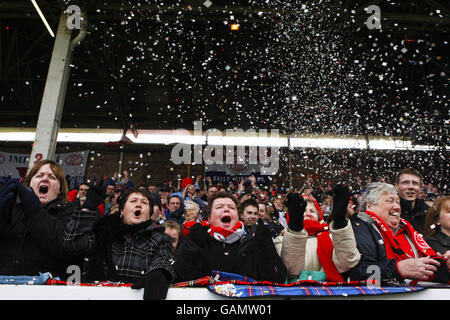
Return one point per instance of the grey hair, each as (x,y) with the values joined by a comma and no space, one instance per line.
(191,205)
(374,191)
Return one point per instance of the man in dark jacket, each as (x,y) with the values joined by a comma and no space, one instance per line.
(175,208)
(408,183)
(222,244)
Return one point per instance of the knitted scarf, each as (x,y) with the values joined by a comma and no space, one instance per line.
(321,231)
(393,250)
(218,233)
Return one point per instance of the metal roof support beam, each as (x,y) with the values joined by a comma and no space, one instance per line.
(54,93)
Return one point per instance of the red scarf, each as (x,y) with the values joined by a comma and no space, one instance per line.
(393,250)
(324,248)
(186,227)
(324,244)
(219,233)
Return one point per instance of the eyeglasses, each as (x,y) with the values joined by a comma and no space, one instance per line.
(407,182)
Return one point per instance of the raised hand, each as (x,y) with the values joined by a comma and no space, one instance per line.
(94,196)
(340,203)
(199,234)
(29,200)
(296,209)
(7,196)
(262,232)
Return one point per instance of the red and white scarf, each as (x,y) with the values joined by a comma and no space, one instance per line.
(218,233)
(393,249)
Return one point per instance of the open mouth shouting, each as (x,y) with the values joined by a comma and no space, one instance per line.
(136,209)
(43,190)
(45,184)
(224,213)
(226,219)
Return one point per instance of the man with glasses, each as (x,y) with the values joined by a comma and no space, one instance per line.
(81,196)
(408,183)
(175,209)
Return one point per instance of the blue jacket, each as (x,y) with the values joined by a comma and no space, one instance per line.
(197,200)
(373,252)
(178,214)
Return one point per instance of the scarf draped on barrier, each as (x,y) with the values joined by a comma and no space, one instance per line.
(238,286)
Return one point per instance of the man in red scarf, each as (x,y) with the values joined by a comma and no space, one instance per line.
(390,243)
(221,243)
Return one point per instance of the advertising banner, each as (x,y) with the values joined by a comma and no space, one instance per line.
(73,163)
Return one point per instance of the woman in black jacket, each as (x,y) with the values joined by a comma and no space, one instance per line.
(222,244)
(32,228)
(437,226)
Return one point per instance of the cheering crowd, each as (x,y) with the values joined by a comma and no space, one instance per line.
(154,236)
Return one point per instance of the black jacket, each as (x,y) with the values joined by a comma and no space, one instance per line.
(416,215)
(373,252)
(116,251)
(440,242)
(247,256)
(33,244)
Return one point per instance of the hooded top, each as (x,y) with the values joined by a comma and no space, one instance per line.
(178,214)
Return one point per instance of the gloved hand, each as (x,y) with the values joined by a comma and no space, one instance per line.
(199,234)
(7,196)
(442,274)
(155,284)
(275,214)
(94,196)
(262,241)
(262,232)
(29,200)
(7,184)
(93,200)
(340,203)
(296,208)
